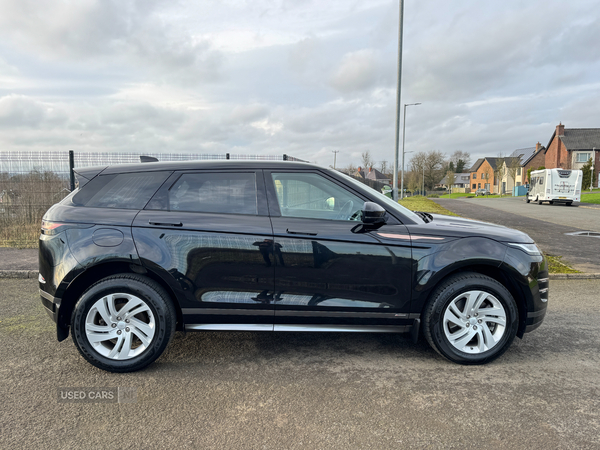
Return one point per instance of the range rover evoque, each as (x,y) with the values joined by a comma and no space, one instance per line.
(139,251)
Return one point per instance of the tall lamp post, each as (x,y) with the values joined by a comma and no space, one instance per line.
(398,89)
(403,139)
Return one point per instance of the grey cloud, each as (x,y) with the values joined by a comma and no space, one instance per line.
(357,71)
(20,111)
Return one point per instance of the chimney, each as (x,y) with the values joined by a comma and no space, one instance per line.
(359,169)
(537,147)
(560,129)
(370,169)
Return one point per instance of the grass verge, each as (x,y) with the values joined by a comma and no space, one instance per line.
(590,198)
(420,203)
(555,265)
(19,235)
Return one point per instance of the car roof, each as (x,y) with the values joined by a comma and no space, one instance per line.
(218,164)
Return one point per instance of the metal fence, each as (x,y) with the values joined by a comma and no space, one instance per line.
(31,182)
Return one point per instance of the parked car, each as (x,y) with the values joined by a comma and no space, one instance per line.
(139,251)
(482,191)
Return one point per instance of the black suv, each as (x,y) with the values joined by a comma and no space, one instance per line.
(139,251)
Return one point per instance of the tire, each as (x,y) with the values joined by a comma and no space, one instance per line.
(539,202)
(569,203)
(115,342)
(527,200)
(448,324)
(551,202)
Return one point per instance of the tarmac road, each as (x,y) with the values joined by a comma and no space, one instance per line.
(308,391)
(548,225)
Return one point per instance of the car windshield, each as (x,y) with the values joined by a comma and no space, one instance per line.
(391,204)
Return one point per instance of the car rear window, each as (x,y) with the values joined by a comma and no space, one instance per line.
(123,191)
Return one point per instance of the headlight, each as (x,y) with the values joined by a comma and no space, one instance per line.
(530,249)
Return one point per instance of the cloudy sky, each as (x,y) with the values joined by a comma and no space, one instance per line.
(294,76)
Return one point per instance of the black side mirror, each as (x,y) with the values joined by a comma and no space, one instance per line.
(372,217)
(372,214)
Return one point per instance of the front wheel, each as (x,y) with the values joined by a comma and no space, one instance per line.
(123,323)
(527,200)
(470,319)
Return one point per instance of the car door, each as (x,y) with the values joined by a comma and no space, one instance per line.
(329,274)
(209,235)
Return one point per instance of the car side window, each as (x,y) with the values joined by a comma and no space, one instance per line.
(123,191)
(229,193)
(310,195)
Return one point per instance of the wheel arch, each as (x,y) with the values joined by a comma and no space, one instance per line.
(93,274)
(501,274)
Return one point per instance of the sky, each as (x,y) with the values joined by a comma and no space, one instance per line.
(301,77)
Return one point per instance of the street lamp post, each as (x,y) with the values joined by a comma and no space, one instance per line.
(403,140)
(398,89)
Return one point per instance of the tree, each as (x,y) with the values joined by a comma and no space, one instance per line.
(367,160)
(586,181)
(499,172)
(461,160)
(430,164)
(488,174)
(512,168)
(383,167)
(450,180)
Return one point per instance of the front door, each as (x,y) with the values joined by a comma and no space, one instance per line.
(328,275)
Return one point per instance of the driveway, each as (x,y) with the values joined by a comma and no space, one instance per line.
(307,390)
(549,225)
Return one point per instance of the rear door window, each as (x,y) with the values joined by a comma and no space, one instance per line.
(210,192)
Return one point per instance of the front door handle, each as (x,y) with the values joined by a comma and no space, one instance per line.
(162,224)
(306,233)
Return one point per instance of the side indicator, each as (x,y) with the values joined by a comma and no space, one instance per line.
(41,279)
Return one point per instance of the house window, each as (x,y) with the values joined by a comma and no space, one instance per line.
(474,176)
(518,171)
(479,185)
(583,157)
(474,186)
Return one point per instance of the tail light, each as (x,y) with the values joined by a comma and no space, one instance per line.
(52,228)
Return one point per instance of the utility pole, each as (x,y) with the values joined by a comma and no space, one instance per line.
(398,90)
(335,152)
(424,180)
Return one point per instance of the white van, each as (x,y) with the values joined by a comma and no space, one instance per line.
(555,185)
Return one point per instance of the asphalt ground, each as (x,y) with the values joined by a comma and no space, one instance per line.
(548,225)
(307,390)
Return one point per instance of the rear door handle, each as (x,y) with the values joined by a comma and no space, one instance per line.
(161,224)
(306,233)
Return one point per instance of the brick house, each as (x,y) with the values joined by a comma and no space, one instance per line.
(536,160)
(571,148)
(483,174)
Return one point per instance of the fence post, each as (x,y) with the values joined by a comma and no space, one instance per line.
(226,155)
(285,157)
(71,167)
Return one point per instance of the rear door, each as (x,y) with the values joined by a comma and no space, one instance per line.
(209,235)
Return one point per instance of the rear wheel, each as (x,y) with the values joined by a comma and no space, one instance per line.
(539,202)
(123,323)
(471,319)
(569,203)
(551,202)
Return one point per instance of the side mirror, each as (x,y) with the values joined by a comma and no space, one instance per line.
(372,214)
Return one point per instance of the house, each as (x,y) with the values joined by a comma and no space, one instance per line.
(513,173)
(372,174)
(536,160)
(461,182)
(484,174)
(571,148)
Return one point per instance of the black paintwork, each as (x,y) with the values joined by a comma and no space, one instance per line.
(270,269)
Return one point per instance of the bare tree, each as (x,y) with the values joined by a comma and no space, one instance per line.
(499,172)
(428,164)
(367,160)
(512,166)
(450,177)
(383,167)
(461,160)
